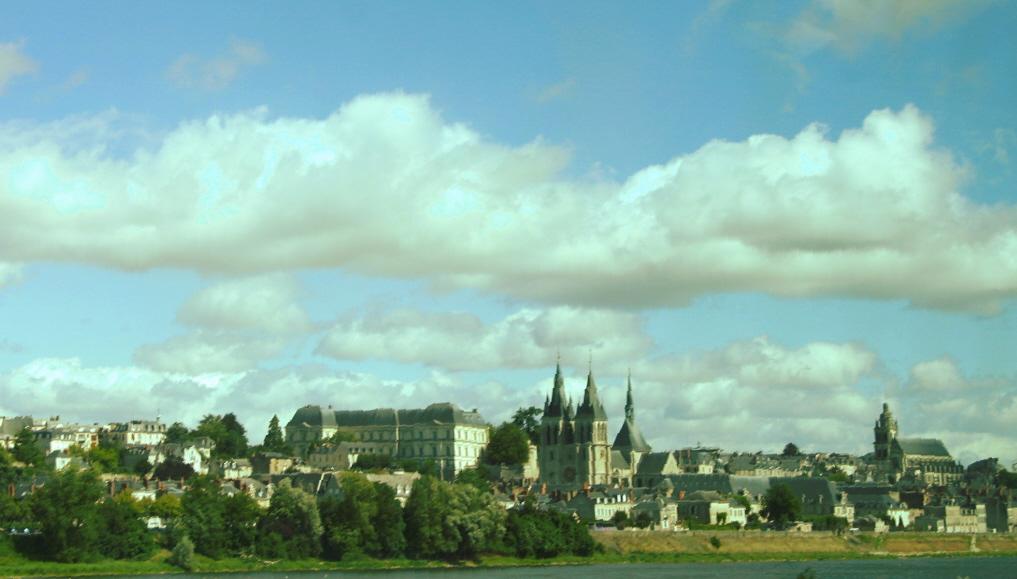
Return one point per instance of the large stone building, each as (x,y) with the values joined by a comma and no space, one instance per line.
(919,459)
(574,452)
(444,433)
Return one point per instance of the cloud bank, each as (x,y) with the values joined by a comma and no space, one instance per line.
(13,63)
(874,213)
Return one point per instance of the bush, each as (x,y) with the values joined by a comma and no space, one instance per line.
(183,554)
(715,542)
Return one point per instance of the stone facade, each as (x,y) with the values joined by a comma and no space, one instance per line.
(924,460)
(444,433)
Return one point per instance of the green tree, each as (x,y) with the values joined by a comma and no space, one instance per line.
(177,433)
(373,462)
(644,519)
(530,532)
(165,507)
(528,419)
(240,520)
(183,554)
(66,512)
(347,522)
(203,513)
(124,535)
(790,449)
(474,477)
(508,445)
(12,512)
(104,458)
(620,520)
(25,450)
(451,521)
(173,468)
(291,528)
(274,439)
(781,506)
(388,523)
(228,434)
(1005,478)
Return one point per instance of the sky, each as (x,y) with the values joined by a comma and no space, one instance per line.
(774,215)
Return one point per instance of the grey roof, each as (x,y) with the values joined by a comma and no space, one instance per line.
(811,488)
(12,425)
(653,463)
(630,438)
(702,482)
(438,413)
(923,446)
(556,406)
(618,460)
(313,416)
(753,485)
(591,406)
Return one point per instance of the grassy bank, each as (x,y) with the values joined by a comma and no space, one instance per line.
(620,547)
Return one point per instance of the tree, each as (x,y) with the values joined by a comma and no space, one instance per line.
(528,419)
(25,450)
(291,528)
(644,519)
(66,512)
(183,554)
(372,462)
(781,506)
(218,525)
(531,532)
(165,507)
(508,445)
(124,535)
(228,434)
(388,523)
(475,478)
(173,468)
(347,522)
(274,439)
(426,512)
(177,433)
(104,458)
(620,520)
(790,449)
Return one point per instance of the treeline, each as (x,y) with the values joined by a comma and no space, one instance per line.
(74,521)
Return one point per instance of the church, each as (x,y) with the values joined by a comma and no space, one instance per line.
(574,451)
(919,459)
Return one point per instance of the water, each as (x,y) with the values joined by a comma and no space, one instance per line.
(911,568)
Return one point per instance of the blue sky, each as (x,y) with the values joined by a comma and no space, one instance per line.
(777,214)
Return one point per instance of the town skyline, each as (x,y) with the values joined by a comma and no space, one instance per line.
(777,216)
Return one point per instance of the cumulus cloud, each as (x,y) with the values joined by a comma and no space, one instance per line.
(745,396)
(266,303)
(235,324)
(385,187)
(461,341)
(215,73)
(10,273)
(13,63)
(203,351)
(849,24)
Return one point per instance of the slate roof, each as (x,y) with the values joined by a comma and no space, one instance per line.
(618,460)
(591,406)
(811,488)
(923,446)
(439,413)
(702,482)
(653,463)
(630,438)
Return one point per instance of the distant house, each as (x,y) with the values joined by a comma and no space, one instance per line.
(706,507)
(136,433)
(953,519)
(654,467)
(600,505)
(663,512)
(819,497)
(401,483)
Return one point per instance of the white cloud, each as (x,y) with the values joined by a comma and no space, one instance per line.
(215,73)
(10,273)
(385,187)
(265,303)
(203,352)
(461,341)
(937,375)
(849,25)
(556,91)
(13,63)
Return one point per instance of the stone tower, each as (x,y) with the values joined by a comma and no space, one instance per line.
(555,453)
(594,450)
(886,433)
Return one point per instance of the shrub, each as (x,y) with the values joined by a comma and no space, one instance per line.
(715,542)
(183,554)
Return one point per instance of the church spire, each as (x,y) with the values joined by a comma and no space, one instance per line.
(556,406)
(591,406)
(630,406)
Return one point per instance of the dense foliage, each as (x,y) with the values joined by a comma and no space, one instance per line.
(781,506)
(508,445)
(528,419)
(275,441)
(291,528)
(544,534)
(226,432)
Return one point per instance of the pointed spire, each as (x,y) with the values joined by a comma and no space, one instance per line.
(555,405)
(591,406)
(630,406)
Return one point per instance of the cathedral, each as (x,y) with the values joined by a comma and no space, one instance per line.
(574,451)
(920,459)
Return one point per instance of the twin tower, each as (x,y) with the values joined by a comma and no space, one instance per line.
(574,451)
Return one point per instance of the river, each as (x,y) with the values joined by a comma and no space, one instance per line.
(911,568)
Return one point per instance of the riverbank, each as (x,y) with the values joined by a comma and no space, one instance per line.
(620,548)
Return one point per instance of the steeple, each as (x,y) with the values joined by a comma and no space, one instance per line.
(591,406)
(630,407)
(555,407)
(629,438)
